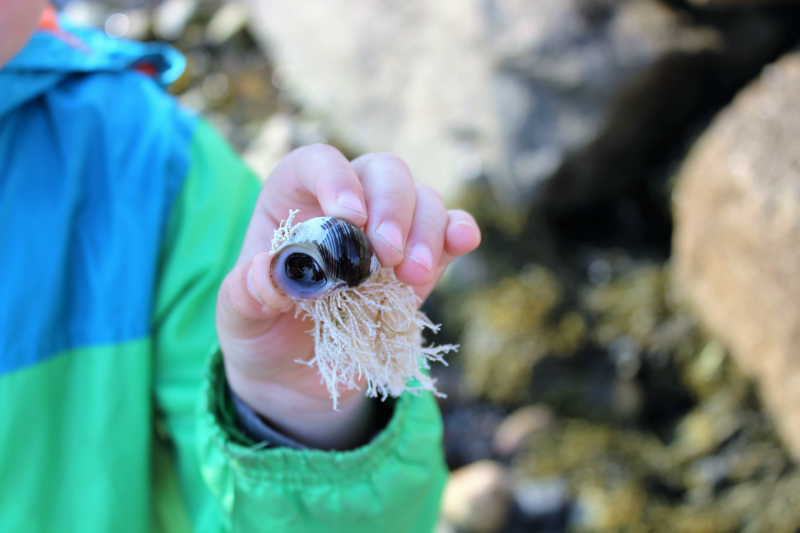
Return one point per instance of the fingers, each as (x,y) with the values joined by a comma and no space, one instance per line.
(460,238)
(331,181)
(408,225)
(248,296)
(425,239)
(318,180)
(463,234)
(315,178)
(390,195)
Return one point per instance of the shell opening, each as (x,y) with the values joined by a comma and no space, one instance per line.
(321,256)
(302,269)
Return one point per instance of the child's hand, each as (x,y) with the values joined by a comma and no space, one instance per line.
(410,230)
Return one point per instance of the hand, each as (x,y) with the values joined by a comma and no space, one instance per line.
(261,339)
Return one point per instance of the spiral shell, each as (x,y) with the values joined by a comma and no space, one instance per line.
(321,256)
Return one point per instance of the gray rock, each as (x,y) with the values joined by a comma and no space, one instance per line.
(579,85)
(408,77)
(539,96)
(737,236)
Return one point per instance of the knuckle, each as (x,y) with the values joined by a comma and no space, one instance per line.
(400,203)
(388,161)
(432,204)
(431,196)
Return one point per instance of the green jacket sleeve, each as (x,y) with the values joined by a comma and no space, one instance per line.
(206,474)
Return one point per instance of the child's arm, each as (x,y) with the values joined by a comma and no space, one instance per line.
(260,336)
(392,483)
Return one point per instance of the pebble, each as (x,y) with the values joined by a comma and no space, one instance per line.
(539,498)
(477,497)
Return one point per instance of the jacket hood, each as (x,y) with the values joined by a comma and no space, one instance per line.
(60,49)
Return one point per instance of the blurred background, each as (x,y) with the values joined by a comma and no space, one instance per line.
(629,327)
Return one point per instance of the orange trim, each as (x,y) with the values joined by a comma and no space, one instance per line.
(49,19)
(48,22)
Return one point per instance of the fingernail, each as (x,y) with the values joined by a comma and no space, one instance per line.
(352,203)
(472,228)
(391,235)
(422,255)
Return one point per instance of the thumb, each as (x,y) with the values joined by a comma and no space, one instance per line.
(248,297)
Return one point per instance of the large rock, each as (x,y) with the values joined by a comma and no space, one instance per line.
(737,236)
(543,97)
(409,77)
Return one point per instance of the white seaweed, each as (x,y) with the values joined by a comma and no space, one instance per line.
(373,331)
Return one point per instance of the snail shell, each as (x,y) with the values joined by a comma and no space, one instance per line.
(323,255)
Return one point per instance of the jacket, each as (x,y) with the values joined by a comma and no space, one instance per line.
(120,214)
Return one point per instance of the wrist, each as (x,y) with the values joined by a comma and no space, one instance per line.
(305,418)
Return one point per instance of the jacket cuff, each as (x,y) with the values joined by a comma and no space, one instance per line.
(402,469)
(256,429)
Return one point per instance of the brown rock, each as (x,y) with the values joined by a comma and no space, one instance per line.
(737,236)
(477,497)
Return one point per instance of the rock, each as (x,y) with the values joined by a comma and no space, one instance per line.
(556,101)
(411,77)
(510,435)
(227,21)
(272,144)
(171,17)
(581,86)
(477,497)
(737,236)
(538,498)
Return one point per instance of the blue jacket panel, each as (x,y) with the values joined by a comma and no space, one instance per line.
(89,167)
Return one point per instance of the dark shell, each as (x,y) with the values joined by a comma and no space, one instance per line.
(346,251)
(323,255)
